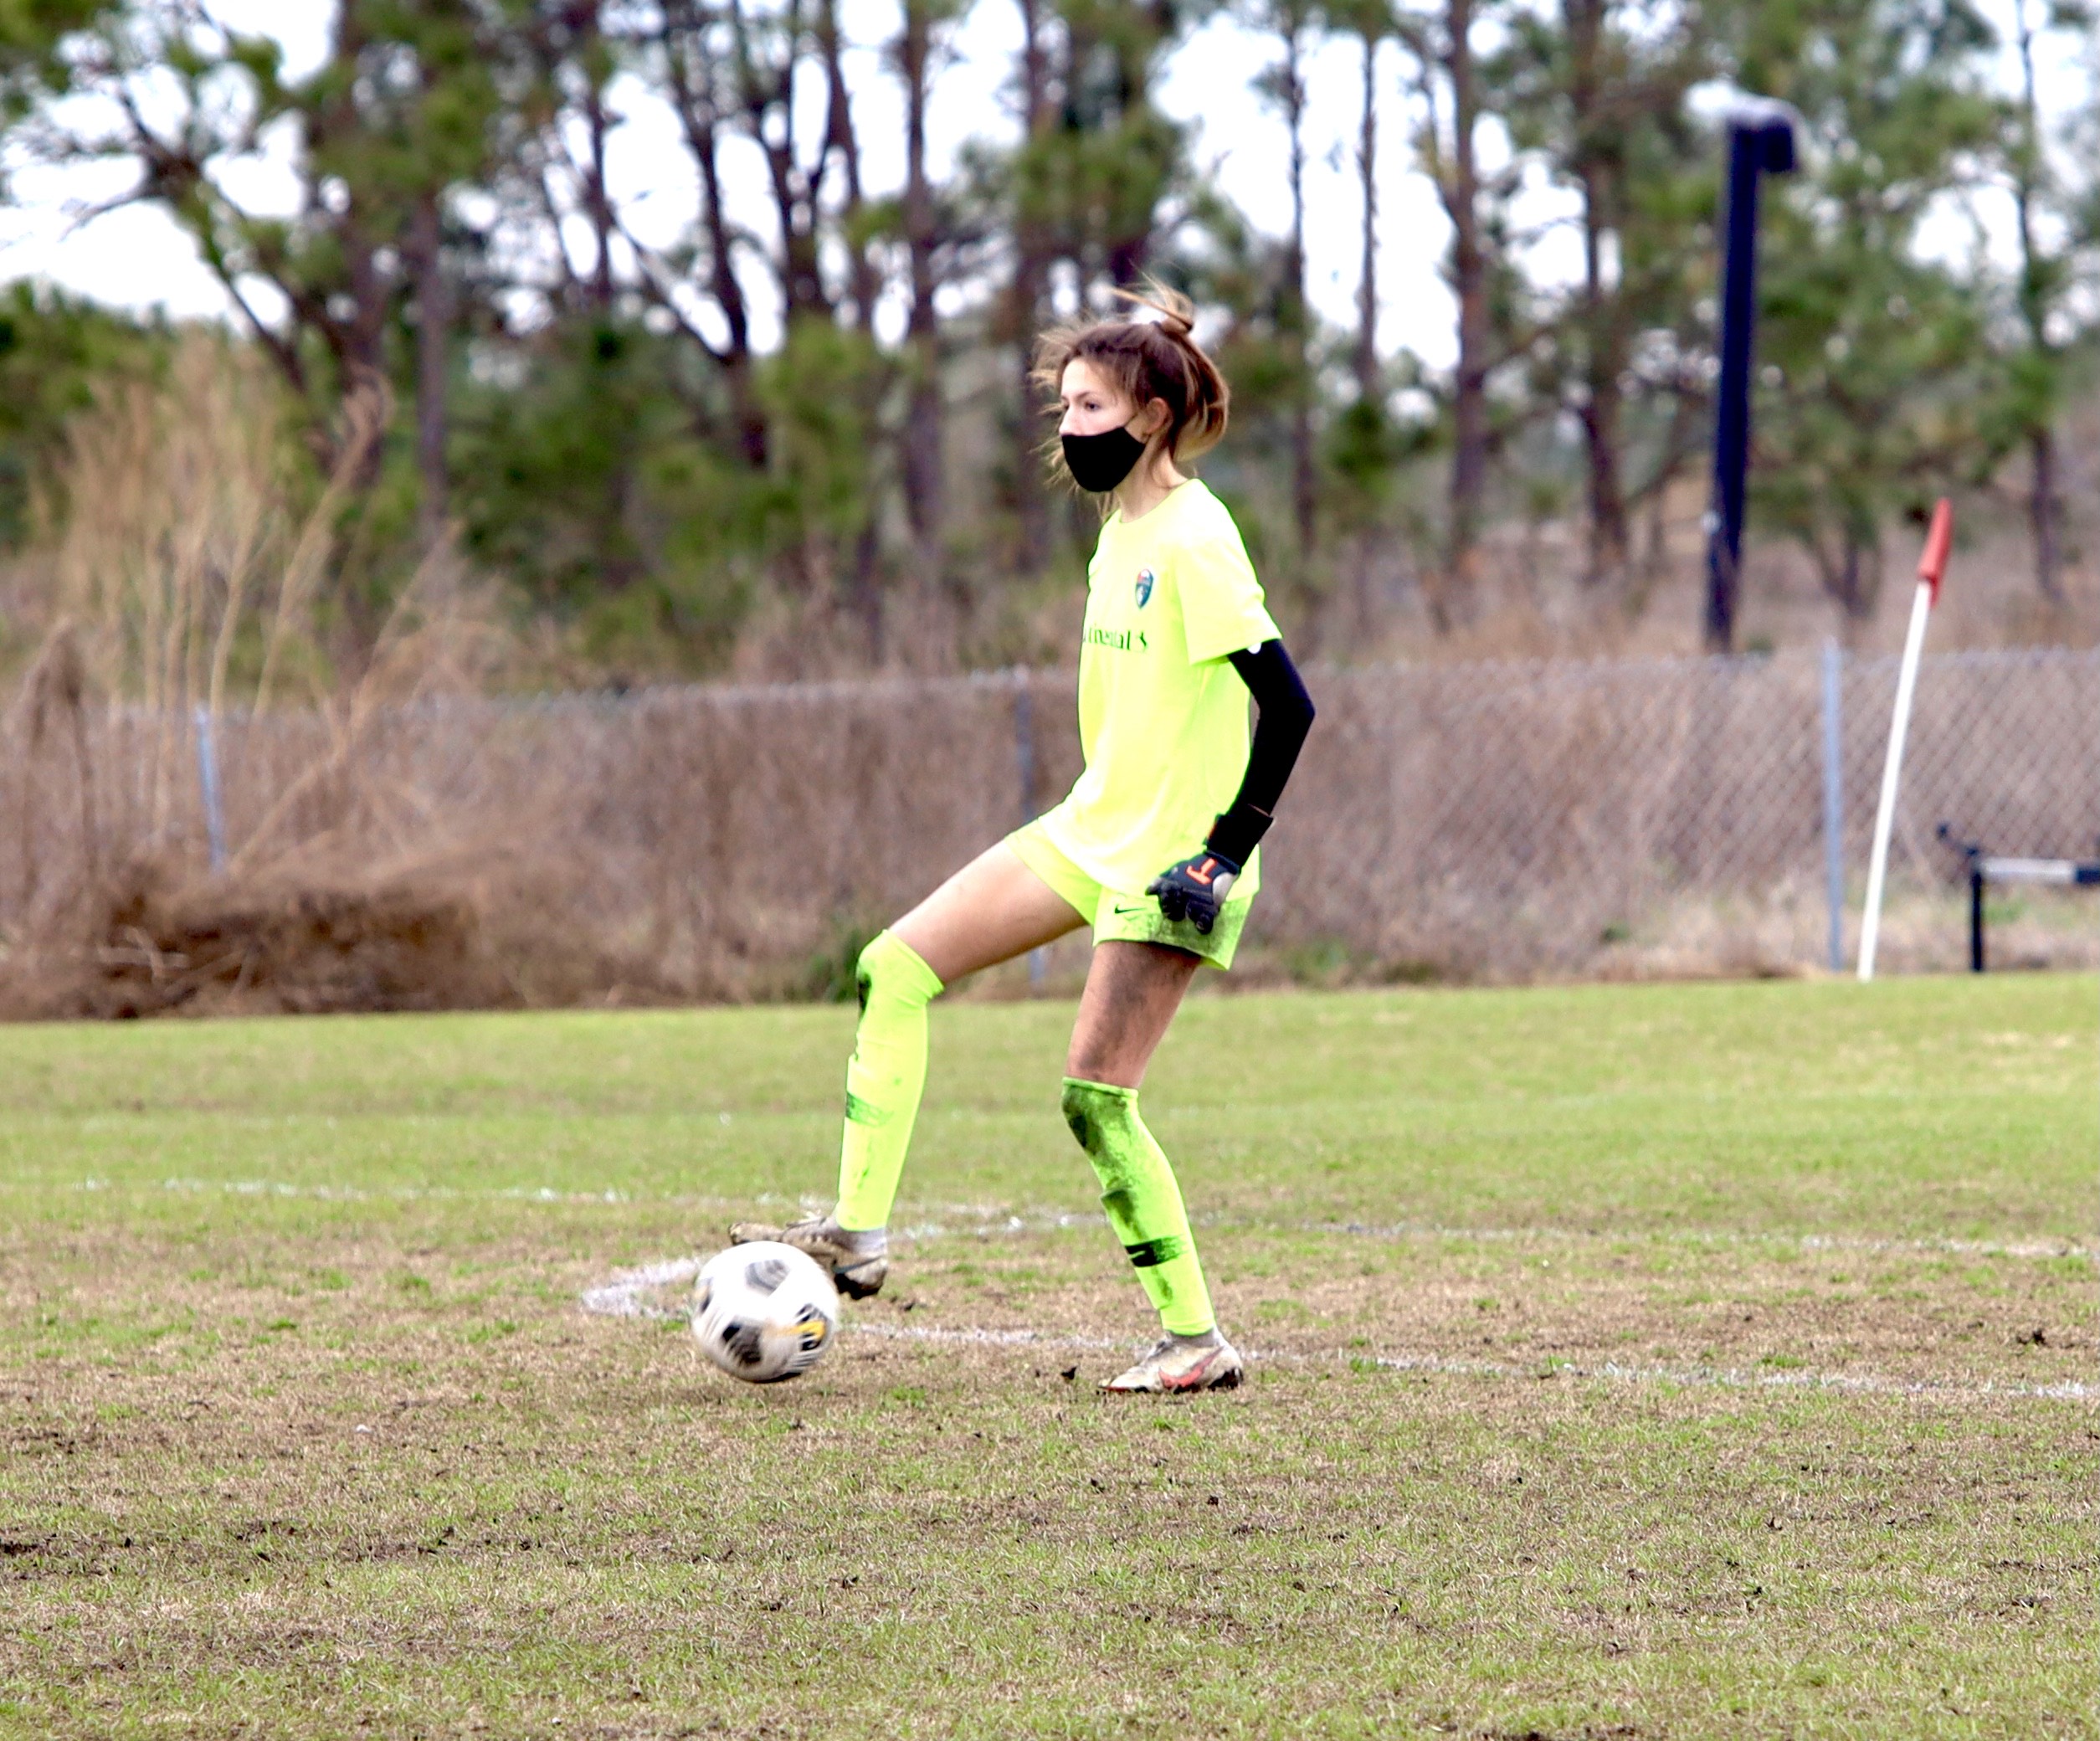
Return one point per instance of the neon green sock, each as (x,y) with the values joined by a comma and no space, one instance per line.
(884,1078)
(1137,1190)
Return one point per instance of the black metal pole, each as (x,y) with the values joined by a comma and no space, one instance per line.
(1760,141)
(1975,916)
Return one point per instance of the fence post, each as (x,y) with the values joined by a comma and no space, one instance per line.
(1024,765)
(1834,799)
(1975,912)
(208,780)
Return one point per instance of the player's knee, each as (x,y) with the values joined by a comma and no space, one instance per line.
(889,968)
(1077,1105)
(1095,1111)
(864,969)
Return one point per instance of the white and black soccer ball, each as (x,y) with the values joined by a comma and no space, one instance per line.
(764,1312)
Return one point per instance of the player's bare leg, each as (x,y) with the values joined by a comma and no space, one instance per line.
(992,910)
(1133,993)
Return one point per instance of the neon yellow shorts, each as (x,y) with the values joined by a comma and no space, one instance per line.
(1120,918)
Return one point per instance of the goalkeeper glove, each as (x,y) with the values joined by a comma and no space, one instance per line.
(1195,889)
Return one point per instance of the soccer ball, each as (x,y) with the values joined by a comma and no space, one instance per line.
(764,1312)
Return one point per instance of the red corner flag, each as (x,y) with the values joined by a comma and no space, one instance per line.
(1939,540)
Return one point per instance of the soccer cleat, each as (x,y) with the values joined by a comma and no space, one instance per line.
(859,1275)
(1184,1362)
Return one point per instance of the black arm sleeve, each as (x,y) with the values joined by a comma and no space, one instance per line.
(1283,716)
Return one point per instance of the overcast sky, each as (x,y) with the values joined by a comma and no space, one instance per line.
(136,258)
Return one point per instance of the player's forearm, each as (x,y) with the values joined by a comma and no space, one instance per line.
(1283,716)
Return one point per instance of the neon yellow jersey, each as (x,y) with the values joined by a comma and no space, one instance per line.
(1162,717)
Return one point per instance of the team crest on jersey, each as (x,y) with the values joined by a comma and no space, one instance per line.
(1144,587)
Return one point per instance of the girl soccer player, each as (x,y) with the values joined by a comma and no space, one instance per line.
(1154,848)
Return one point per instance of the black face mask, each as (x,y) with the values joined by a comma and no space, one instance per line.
(1098,463)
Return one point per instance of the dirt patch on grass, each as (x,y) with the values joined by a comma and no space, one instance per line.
(1764,1311)
(1902,1315)
(466,932)
(270,1299)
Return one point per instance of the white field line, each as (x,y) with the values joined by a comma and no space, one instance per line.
(414,1194)
(992,1339)
(983,1222)
(1723,1377)
(1719,1236)
(622,1296)
(357,1193)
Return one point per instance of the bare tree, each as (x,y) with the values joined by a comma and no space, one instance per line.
(343,301)
(693,57)
(924,454)
(404,108)
(1292,22)
(767,48)
(841,139)
(433,331)
(1594,91)
(1033,254)
(2043,279)
(1372,20)
(1446,78)
(1599,166)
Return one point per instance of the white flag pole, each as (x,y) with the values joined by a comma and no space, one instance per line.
(1930,567)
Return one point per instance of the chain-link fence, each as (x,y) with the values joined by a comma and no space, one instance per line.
(1565,818)
(1480,822)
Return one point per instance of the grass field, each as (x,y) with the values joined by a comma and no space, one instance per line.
(1711,1360)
